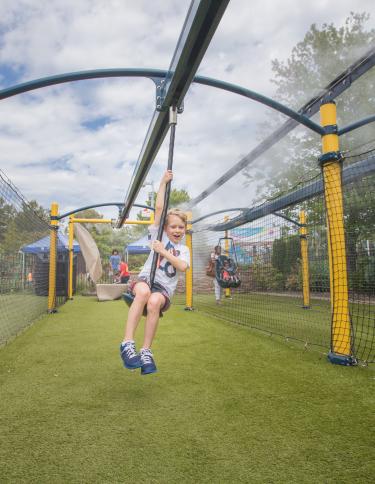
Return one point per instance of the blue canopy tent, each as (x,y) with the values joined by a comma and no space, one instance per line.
(140,246)
(42,245)
(39,251)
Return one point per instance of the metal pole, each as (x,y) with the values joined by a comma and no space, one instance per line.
(305,261)
(341,348)
(54,226)
(189,272)
(71,260)
(227,291)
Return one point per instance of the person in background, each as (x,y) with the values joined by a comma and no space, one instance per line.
(114,261)
(124,272)
(214,256)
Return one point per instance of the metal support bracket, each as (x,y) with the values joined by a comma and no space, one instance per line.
(331,156)
(160,95)
(159,84)
(330,129)
(345,360)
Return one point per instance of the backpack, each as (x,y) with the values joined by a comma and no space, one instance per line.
(211,269)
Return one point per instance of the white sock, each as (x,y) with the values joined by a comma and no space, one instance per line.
(128,341)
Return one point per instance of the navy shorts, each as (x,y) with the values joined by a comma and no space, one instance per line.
(156,287)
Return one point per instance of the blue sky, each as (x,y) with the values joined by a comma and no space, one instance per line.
(77,143)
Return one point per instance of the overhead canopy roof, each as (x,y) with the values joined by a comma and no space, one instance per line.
(141,246)
(42,245)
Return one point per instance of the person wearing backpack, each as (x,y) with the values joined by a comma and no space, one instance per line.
(213,258)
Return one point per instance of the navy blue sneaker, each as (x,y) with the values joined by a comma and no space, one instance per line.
(129,355)
(147,362)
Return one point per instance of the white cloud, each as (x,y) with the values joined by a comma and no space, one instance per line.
(47,147)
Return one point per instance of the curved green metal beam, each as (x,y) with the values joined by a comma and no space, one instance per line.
(242,91)
(356,125)
(80,76)
(288,219)
(109,204)
(156,74)
(350,173)
(241,209)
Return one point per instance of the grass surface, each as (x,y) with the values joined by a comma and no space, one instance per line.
(277,314)
(17,311)
(227,405)
(284,315)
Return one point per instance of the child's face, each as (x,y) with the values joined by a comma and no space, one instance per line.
(175,229)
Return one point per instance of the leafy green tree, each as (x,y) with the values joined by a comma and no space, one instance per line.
(89,213)
(314,62)
(106,237)
(177,198)
(285,254)
(7,213)
(22,226)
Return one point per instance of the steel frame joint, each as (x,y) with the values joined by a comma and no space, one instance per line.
(159,89)
(331,156)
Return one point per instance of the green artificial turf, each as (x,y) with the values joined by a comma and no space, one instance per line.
(227,405)
(17,311)
(284,315)
(281,315)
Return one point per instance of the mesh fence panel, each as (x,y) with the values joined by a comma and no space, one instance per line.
(271,297)
(359,223)
(23,264)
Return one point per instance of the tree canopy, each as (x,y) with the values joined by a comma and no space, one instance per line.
(314,63)
(21,224)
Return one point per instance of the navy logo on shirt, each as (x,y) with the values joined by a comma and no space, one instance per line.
(168,268)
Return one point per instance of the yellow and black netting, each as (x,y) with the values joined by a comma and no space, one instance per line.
(294,283)
(359,228)
(271,296)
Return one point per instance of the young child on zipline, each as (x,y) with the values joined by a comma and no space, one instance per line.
(173,257)
(225,271)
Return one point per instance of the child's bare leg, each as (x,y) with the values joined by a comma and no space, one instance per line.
(142,293)
(155,302)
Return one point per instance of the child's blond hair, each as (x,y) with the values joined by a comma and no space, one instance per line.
(179,213)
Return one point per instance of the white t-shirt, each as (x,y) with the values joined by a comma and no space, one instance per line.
(166,274)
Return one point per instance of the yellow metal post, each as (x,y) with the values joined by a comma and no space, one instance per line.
(92,220)
(71,259)
(304,261)
(54,225)
(189,272)
(109,221)
(227,291)
(331,165)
